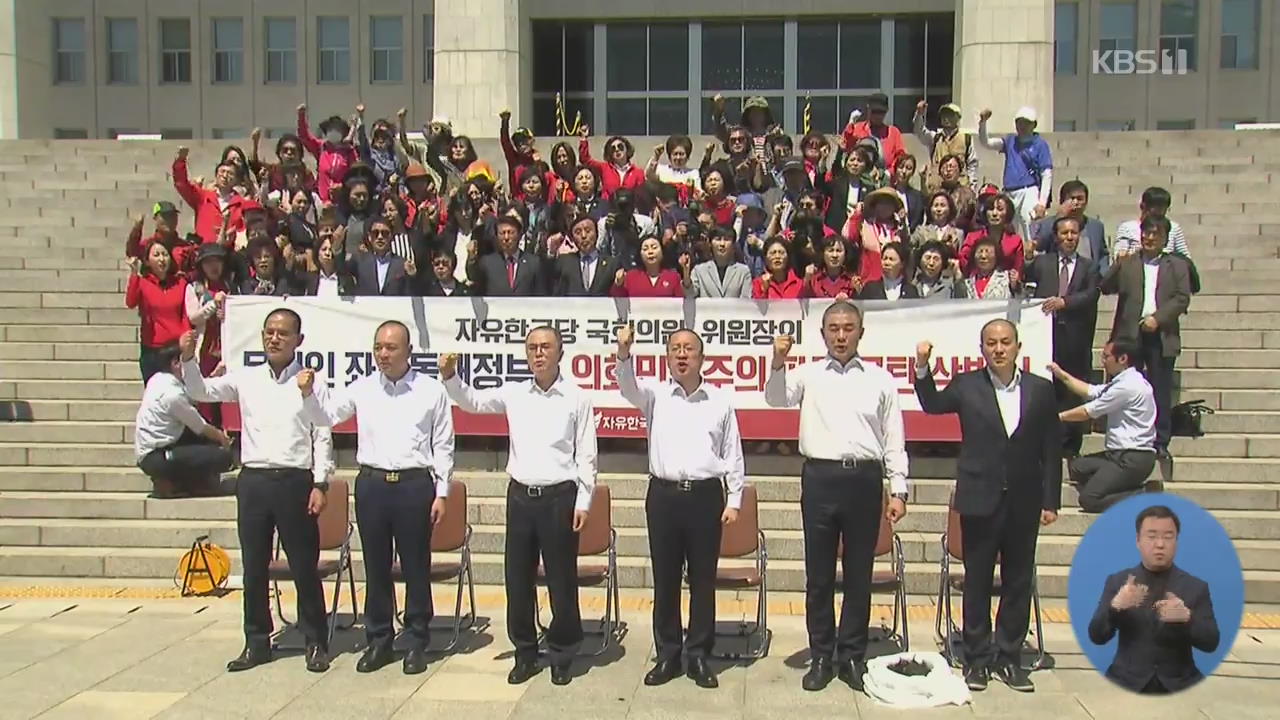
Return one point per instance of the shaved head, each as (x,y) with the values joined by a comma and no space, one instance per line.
(682,332)
(1000,322)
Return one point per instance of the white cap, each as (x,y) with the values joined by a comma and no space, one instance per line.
(1026,112)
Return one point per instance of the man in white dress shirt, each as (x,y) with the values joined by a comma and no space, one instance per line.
(851,435)
(551,425)
(696,475)
(1129,405)
(405,454)
(285,462)
(176,448)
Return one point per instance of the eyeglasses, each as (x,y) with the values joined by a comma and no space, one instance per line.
(737,139)
(379,233)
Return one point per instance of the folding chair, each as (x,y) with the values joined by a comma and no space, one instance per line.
(949,582)
(596,538)
(335,534)
(893,580)
(453,534)
(739,540)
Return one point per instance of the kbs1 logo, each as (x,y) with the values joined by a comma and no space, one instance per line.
(1140,62)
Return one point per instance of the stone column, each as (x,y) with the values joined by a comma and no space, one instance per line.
(477,64)
(1004,60)
(9,71)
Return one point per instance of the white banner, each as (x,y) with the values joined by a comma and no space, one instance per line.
(738,335)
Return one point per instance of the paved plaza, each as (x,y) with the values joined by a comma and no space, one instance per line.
(149,657)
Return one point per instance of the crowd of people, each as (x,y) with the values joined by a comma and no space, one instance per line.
(852,218)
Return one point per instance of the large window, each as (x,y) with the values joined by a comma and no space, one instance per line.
(70,134)
(282,51)
(563,62)
(122,51)
(228,51)
(1066,17)
(175,50)
(647,78)
(1117,27)
(333,35)
(660,78)
(386,45)
(428,48)
(68,51)
(1240,34)
(1178,20)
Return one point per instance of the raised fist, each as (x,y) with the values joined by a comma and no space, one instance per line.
(924,351)
(584,131)
(302,108)
(620,277)
(658,150)
(448,365)
(256,135)
(400,115)
(187,345)
(921,107)
(221,297)
(410,267)
(626,337)
(782,348)
(985,115)
(810,270)
(135,264)
(360,109)
(306,381)
(505,115)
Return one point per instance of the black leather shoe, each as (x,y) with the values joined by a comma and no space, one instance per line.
(376,656)
(662,673)
(252,656)
(521,673)
(415,661)
(819,675)
(850,673)
(560,674)
(700,673)
(977,677)
(1016,677)
(317,659)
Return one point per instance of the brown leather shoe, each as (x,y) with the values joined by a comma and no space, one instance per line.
(166,489)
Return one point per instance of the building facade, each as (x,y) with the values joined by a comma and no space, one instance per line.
(217,68)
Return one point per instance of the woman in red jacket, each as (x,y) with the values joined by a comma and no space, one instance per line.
(616,170)
(650,278)
(715,194)
(779,281)
(997,217)
(834,280)
(160,295)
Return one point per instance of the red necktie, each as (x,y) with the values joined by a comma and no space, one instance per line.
(511,272)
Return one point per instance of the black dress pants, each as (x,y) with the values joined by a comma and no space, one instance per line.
(541,525)
(839,502)
(396,513)
(270,501)
(684,530)
(1104,479)
(187,463)
(1158,370)
(1010,533)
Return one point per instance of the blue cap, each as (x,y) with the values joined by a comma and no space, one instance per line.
(751,200)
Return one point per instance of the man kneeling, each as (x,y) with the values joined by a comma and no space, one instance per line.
(181,453)
(1128,403)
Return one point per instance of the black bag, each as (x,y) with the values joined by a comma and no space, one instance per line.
(1185,418)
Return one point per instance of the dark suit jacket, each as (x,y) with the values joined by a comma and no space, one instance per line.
(915,207)
(874,290)
(363,266)
(1029,463)
(434,289)
(838,204)
(566,276)
(488,276)
(1073,325)
(1173,297)
(1148,647)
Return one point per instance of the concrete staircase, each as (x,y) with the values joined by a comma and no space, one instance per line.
(73,506)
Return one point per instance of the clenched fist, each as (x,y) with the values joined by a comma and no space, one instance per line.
(448,365)
(985,115)
(781,349)
(187,345)
(924,350)
(626,337)
(306,381)
(1172,609)
(620,277)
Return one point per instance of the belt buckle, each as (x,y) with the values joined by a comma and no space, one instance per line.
(534,490)
(849,463)
(685,485)
(393,476)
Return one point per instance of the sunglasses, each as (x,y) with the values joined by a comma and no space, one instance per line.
(737,139)
(617,146)
(379,233)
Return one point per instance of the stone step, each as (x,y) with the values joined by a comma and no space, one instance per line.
(114,410)
(116,454)
(69,370)
(77,389)
(76,334)
(1232,378)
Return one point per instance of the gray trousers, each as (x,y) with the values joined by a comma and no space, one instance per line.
(1104,479)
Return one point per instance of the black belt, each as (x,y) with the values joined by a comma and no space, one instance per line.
(687,485)
(537,491)
(393,476)
(846,463)
(272,471)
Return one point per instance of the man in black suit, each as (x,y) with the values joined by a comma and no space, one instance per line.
(1160,611)
(1069,284)
(509,272)
(586,272)
(379,271)
(442,282)
(1008,484)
